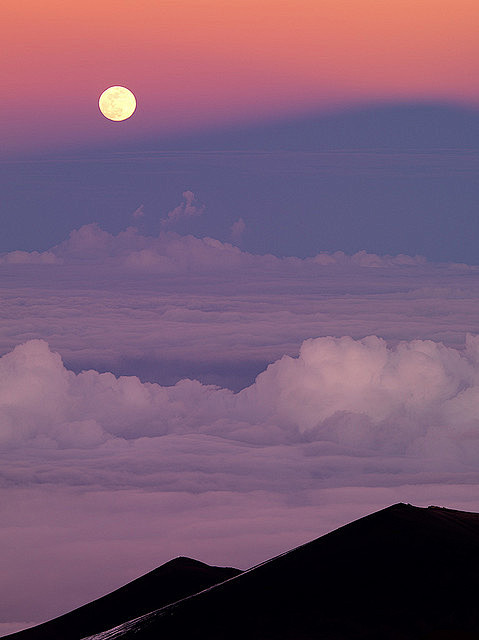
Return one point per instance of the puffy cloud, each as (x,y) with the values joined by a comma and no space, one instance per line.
(361,393)
(190,207)
(178,253)
(103,477)
(29,257)
(44,404)
(418,398)
(172,253)
(168,252)
(89,243)
(177,306)
(365,259)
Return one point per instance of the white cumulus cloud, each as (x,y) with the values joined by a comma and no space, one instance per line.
(419,398)
(104,477)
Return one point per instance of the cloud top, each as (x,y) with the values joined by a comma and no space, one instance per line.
(189,208)
(104,477)
(172,252)
(419,398)
(30,257)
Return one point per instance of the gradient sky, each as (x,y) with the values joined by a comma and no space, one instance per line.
(199,62)
(248,314)
(308,77)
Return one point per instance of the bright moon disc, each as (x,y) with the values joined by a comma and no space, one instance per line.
(117,103)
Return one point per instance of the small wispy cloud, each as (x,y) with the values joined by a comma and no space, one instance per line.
(139,213)
(189,208)
(237,230)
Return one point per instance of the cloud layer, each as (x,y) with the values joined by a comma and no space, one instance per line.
(342,384)
(171,252)
(103,478)
(175,306)
(419,398)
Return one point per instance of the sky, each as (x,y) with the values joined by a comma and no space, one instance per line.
(246,315)
(198,62)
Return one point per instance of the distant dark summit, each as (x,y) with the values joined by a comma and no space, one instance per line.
(403,573)
(172,581)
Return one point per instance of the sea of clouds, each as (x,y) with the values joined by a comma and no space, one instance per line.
(176,395)
(168,307)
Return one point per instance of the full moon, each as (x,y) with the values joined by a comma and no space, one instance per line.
(117,103)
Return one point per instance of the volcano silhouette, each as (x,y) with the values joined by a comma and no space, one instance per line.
(401,573)
(172,581)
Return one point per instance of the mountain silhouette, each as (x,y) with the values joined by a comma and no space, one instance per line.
(172,581)
(401,573)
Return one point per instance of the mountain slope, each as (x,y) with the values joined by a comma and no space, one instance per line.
(401,573)
(172,581)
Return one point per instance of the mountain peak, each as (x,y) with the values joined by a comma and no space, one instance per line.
(172,581)
(404,572)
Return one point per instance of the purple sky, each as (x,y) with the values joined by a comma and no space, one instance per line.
(169,394)
(385,179)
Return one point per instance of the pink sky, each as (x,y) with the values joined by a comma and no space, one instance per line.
(196,63)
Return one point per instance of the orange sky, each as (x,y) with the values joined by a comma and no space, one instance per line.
(202,61)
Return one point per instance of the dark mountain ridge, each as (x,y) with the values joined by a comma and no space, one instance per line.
(172,581)
(402,573)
